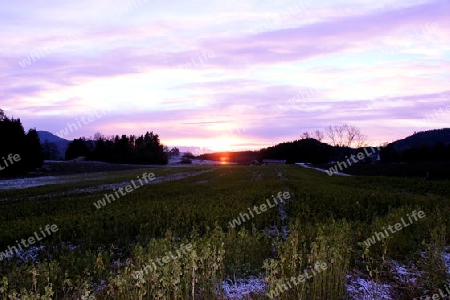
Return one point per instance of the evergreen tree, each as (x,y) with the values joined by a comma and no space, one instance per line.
(17,142)
(50,150)
(33,155)
(145,149)
(77,148)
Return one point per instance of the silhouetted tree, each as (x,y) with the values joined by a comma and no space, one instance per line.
(318,135)
(189,155)
(50,150)
(174,152)
(305,135)
(345,136)
(76,149)
(33,156)
(16,142)
(145,149)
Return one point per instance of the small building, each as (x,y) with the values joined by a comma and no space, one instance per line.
(255,162)
(373,158)
(274,162)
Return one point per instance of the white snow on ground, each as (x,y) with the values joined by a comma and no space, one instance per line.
(39,181)
(23,183)
(403,274)
(243,288)
(446,257)
(361,289)
(32,253)
(357,287)
(304,165)
(112,186)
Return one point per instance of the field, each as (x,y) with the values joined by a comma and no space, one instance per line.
(194,233)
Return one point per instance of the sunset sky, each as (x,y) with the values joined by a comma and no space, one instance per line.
(226,75)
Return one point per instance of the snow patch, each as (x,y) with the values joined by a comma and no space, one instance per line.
(304,165)
(243,287)
(446,257)
(403,274)
(32,253)
(362,289)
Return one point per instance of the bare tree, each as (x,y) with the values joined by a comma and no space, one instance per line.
(352,134)
(360,140)
(345,136)
(174,152)
(331,135)
(98,136)
(2,115)
(341,131)
(305,135)
(336,134)
(318,135)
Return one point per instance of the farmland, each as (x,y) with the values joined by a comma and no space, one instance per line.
(126,249)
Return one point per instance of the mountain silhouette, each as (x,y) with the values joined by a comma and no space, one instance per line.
(61,144)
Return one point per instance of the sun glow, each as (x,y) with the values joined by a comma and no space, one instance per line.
(222,143)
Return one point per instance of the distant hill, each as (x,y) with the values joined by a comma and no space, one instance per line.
(61,144)
(421,146)
(305,150)
(424,146)
(424,138)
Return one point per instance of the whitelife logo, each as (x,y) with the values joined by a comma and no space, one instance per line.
(205,55)
(284,287)
(42,52)
(398,226)
(11,159)
(128,189)
(86,120)
(303,95)
(355,158)
(49,229)
(129,7)
(441,295)
(183,250)
(437,114)
(262,208)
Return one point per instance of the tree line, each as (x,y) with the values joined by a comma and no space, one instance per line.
(22,152)
(344,135)
(25,147)
(144,149)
